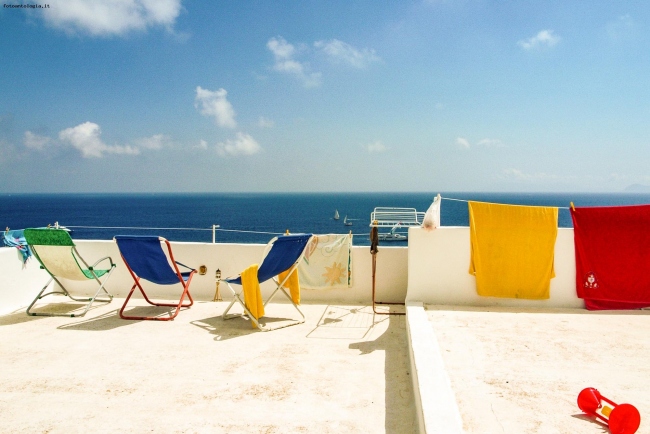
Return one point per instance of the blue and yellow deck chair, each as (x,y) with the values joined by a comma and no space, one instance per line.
(282,256)
(145,259)
(58,255)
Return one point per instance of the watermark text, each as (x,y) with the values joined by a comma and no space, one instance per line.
(27,6)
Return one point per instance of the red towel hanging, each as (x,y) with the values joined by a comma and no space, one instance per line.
(612,246)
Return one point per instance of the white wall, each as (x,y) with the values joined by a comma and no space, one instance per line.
(434,268)
(18,285)
(439,264)
(391,280)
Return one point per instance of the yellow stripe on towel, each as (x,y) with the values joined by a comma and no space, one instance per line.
(292,284)
(252,294)
(512,249)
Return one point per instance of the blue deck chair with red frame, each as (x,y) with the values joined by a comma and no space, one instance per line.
(145,259)
(282,255)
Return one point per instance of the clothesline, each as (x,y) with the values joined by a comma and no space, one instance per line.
(217,229)
(464,200)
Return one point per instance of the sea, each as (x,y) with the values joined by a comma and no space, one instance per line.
(258,217)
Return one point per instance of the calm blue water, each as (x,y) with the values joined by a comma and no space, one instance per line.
(298,212)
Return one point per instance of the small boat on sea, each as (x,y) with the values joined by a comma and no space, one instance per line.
(393,235)
(347,222)
(56,225)
(336,214)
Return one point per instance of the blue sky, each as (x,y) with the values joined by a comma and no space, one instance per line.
(282,96)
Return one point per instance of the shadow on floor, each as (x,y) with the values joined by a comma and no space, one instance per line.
(237,326)
(593,420)
(21,316)
(399,400)
(345,322)
(107,321)
(111,320)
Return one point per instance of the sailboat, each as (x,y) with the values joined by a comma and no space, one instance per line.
(346,222)
(336,214)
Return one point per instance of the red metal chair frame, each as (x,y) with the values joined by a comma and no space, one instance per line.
(179,305)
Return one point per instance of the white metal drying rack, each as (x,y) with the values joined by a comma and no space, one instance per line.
(389,217)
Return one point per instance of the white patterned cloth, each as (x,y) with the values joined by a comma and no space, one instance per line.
(327,263)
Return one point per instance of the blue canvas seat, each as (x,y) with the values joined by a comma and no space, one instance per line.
(145,259)
(282,255)
(58,255)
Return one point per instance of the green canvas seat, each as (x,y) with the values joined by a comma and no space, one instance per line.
(58,255)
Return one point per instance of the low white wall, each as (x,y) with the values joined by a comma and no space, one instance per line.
(435,402)
(439,264)
(16,285)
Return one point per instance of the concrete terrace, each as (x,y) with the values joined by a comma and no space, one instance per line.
(456,363)
(521,370)
(344,370)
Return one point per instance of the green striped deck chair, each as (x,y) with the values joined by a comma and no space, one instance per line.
(58,255)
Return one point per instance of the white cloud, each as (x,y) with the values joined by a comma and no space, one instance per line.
(284,53)
(34,141)
(281,48)
(155,142)
(243,144)
(265,123)
(462,142)
(491,143)
(85,138)
(342,52)
(202,144)
(515,173)
(617,177)
(215,104)
(110,17)
(376,147)
(543,38)
(519,175)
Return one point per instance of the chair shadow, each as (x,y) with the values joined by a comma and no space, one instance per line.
(236,326)
(225,329)
(107,321)
(339,322)
(20,316)
(112,320)
(153,311)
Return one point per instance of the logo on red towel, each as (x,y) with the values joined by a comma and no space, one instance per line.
(590,280)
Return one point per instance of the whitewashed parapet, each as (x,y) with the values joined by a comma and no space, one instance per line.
(18,284)
(18,287)
(439,263)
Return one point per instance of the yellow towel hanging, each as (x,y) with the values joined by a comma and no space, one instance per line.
(512,249)
(252,294)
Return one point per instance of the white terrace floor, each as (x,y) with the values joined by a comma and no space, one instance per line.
(521,371)
(340,372)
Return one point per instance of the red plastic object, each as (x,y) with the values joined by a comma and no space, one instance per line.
(621,419)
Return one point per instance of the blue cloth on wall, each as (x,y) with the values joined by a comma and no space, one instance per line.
(16,239)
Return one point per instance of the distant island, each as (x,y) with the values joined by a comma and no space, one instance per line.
(637,188)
